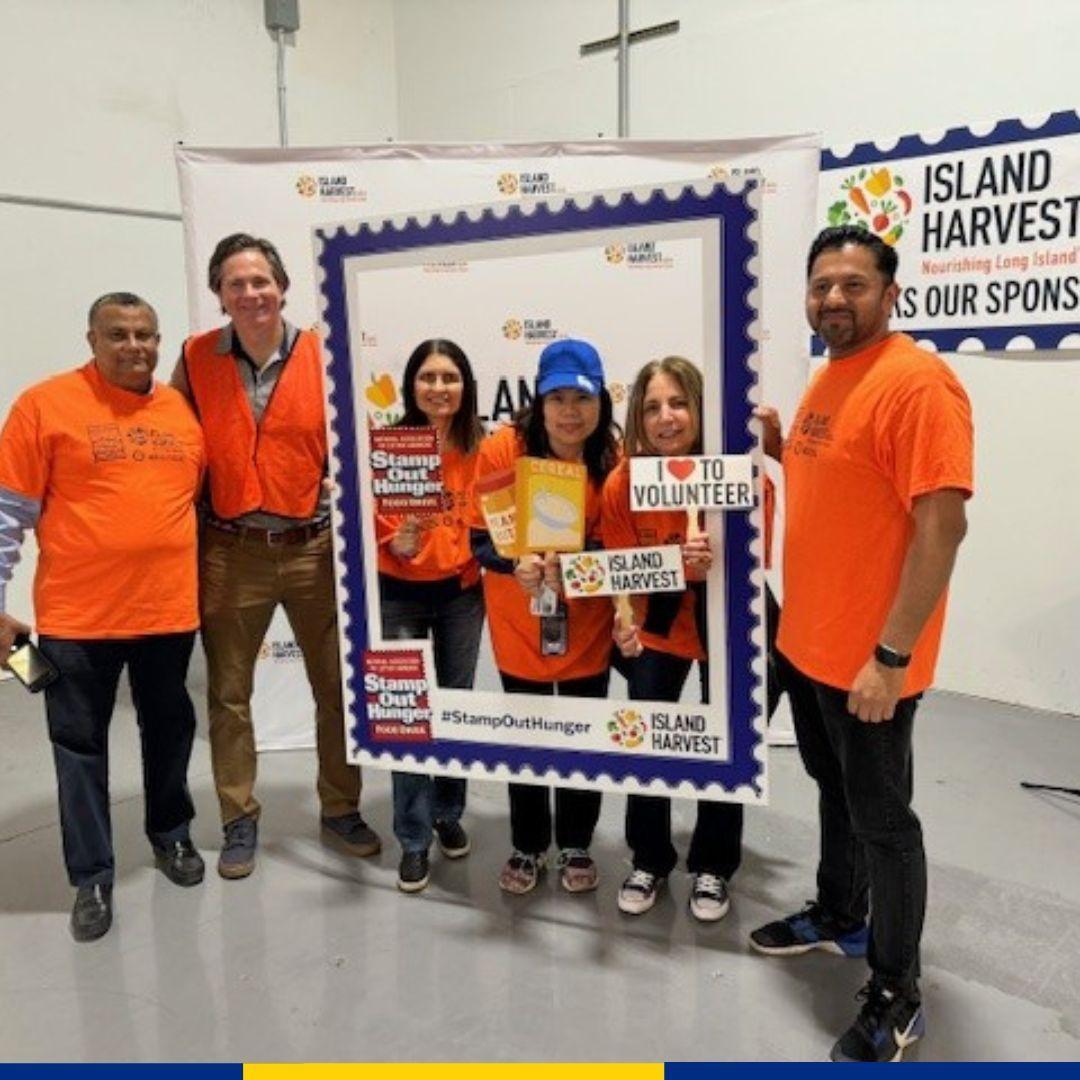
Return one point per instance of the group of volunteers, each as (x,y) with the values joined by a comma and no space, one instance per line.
(108,466)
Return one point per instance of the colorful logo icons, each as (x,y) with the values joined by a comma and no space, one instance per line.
(873,199)
(627,729)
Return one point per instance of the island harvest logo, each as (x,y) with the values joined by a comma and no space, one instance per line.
(638,255)
(585,575)
(329,189)
(527,183)
(529,330)
(628,729)
(873,199)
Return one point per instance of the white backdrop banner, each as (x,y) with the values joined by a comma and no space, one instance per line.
(284,194)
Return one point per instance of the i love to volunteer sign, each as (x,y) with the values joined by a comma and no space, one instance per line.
(986,225)
(702,482)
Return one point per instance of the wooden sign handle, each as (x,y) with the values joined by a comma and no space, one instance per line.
(623,609)
(694,531)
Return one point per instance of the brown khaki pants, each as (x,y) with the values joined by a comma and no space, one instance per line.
(241,582)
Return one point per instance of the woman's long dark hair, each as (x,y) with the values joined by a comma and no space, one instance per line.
(601,451)
(466,431)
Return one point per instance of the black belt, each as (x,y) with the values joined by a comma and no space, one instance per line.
(273,537)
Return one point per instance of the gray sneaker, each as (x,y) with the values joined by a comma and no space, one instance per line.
(237,858)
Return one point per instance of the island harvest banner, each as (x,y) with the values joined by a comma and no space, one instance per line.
(986,225)
(282,194)
(554,256)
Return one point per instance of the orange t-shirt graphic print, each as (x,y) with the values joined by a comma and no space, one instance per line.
(116,474)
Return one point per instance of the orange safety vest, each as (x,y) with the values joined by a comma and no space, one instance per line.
(278,465)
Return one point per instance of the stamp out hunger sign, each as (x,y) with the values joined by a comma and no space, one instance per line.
(406,470)
(703,482)
(396,695)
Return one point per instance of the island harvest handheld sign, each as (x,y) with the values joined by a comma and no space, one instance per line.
(507,257)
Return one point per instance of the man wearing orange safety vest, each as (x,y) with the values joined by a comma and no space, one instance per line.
(257,388)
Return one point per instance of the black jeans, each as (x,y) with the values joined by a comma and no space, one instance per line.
(871,841)
(716,845)
(576,811)
(79,706)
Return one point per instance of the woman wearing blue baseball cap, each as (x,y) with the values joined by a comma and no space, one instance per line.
(567,651)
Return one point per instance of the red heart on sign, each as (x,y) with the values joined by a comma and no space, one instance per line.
(680,468)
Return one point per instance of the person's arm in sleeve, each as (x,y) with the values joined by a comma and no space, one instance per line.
(17,514)
(24,469)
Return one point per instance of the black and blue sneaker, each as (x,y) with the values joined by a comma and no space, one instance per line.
(811,928)
(887,1024)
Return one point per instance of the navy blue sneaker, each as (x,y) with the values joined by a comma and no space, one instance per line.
(887,1024)
(811,928)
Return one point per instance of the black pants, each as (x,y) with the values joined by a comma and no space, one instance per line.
(79,706)
(576,811)
(871,840)
(716,845)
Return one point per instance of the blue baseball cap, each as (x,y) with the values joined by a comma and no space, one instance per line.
(568,363)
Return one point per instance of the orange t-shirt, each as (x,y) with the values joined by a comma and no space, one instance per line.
(622,528)
(116,474)
(873,432)
(444,539)
(515,633)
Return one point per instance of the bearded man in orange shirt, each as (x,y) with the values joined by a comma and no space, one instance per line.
(877,469)
(104,464)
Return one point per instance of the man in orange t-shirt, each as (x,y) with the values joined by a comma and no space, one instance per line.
(104,464)
(877,468)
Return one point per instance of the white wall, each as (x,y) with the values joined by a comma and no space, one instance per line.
(510,69)
(94,97)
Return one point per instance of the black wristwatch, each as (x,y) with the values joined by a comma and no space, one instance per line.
(890,657)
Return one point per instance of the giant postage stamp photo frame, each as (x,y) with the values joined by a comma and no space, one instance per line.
(484,733)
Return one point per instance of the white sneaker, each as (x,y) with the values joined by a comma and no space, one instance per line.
(638,892)
(709,900)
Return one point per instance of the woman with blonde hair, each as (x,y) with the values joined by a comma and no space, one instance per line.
(665,637)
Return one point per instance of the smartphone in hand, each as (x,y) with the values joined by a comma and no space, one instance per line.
(30,666)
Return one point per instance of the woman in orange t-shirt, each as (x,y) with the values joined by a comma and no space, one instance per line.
(665,638)
(429,586)
(567,652)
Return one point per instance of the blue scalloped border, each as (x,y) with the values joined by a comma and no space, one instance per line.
(954,140)
(736,215)
(957,139)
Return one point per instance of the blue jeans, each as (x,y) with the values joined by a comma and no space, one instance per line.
(454,618)
(716,845)
(79,706)
(871,841)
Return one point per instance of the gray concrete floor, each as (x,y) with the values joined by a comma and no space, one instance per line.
(319,958)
